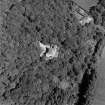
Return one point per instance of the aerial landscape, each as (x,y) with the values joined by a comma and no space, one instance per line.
(52,52)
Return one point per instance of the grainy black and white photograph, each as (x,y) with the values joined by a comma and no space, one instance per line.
(52,52)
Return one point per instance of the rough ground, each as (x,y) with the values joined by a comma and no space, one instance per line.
(28,79)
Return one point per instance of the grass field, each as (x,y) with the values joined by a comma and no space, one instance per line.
(86,4)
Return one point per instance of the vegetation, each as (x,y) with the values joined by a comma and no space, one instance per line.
(28,79)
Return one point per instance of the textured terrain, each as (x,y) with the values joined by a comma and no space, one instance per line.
(28,79)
